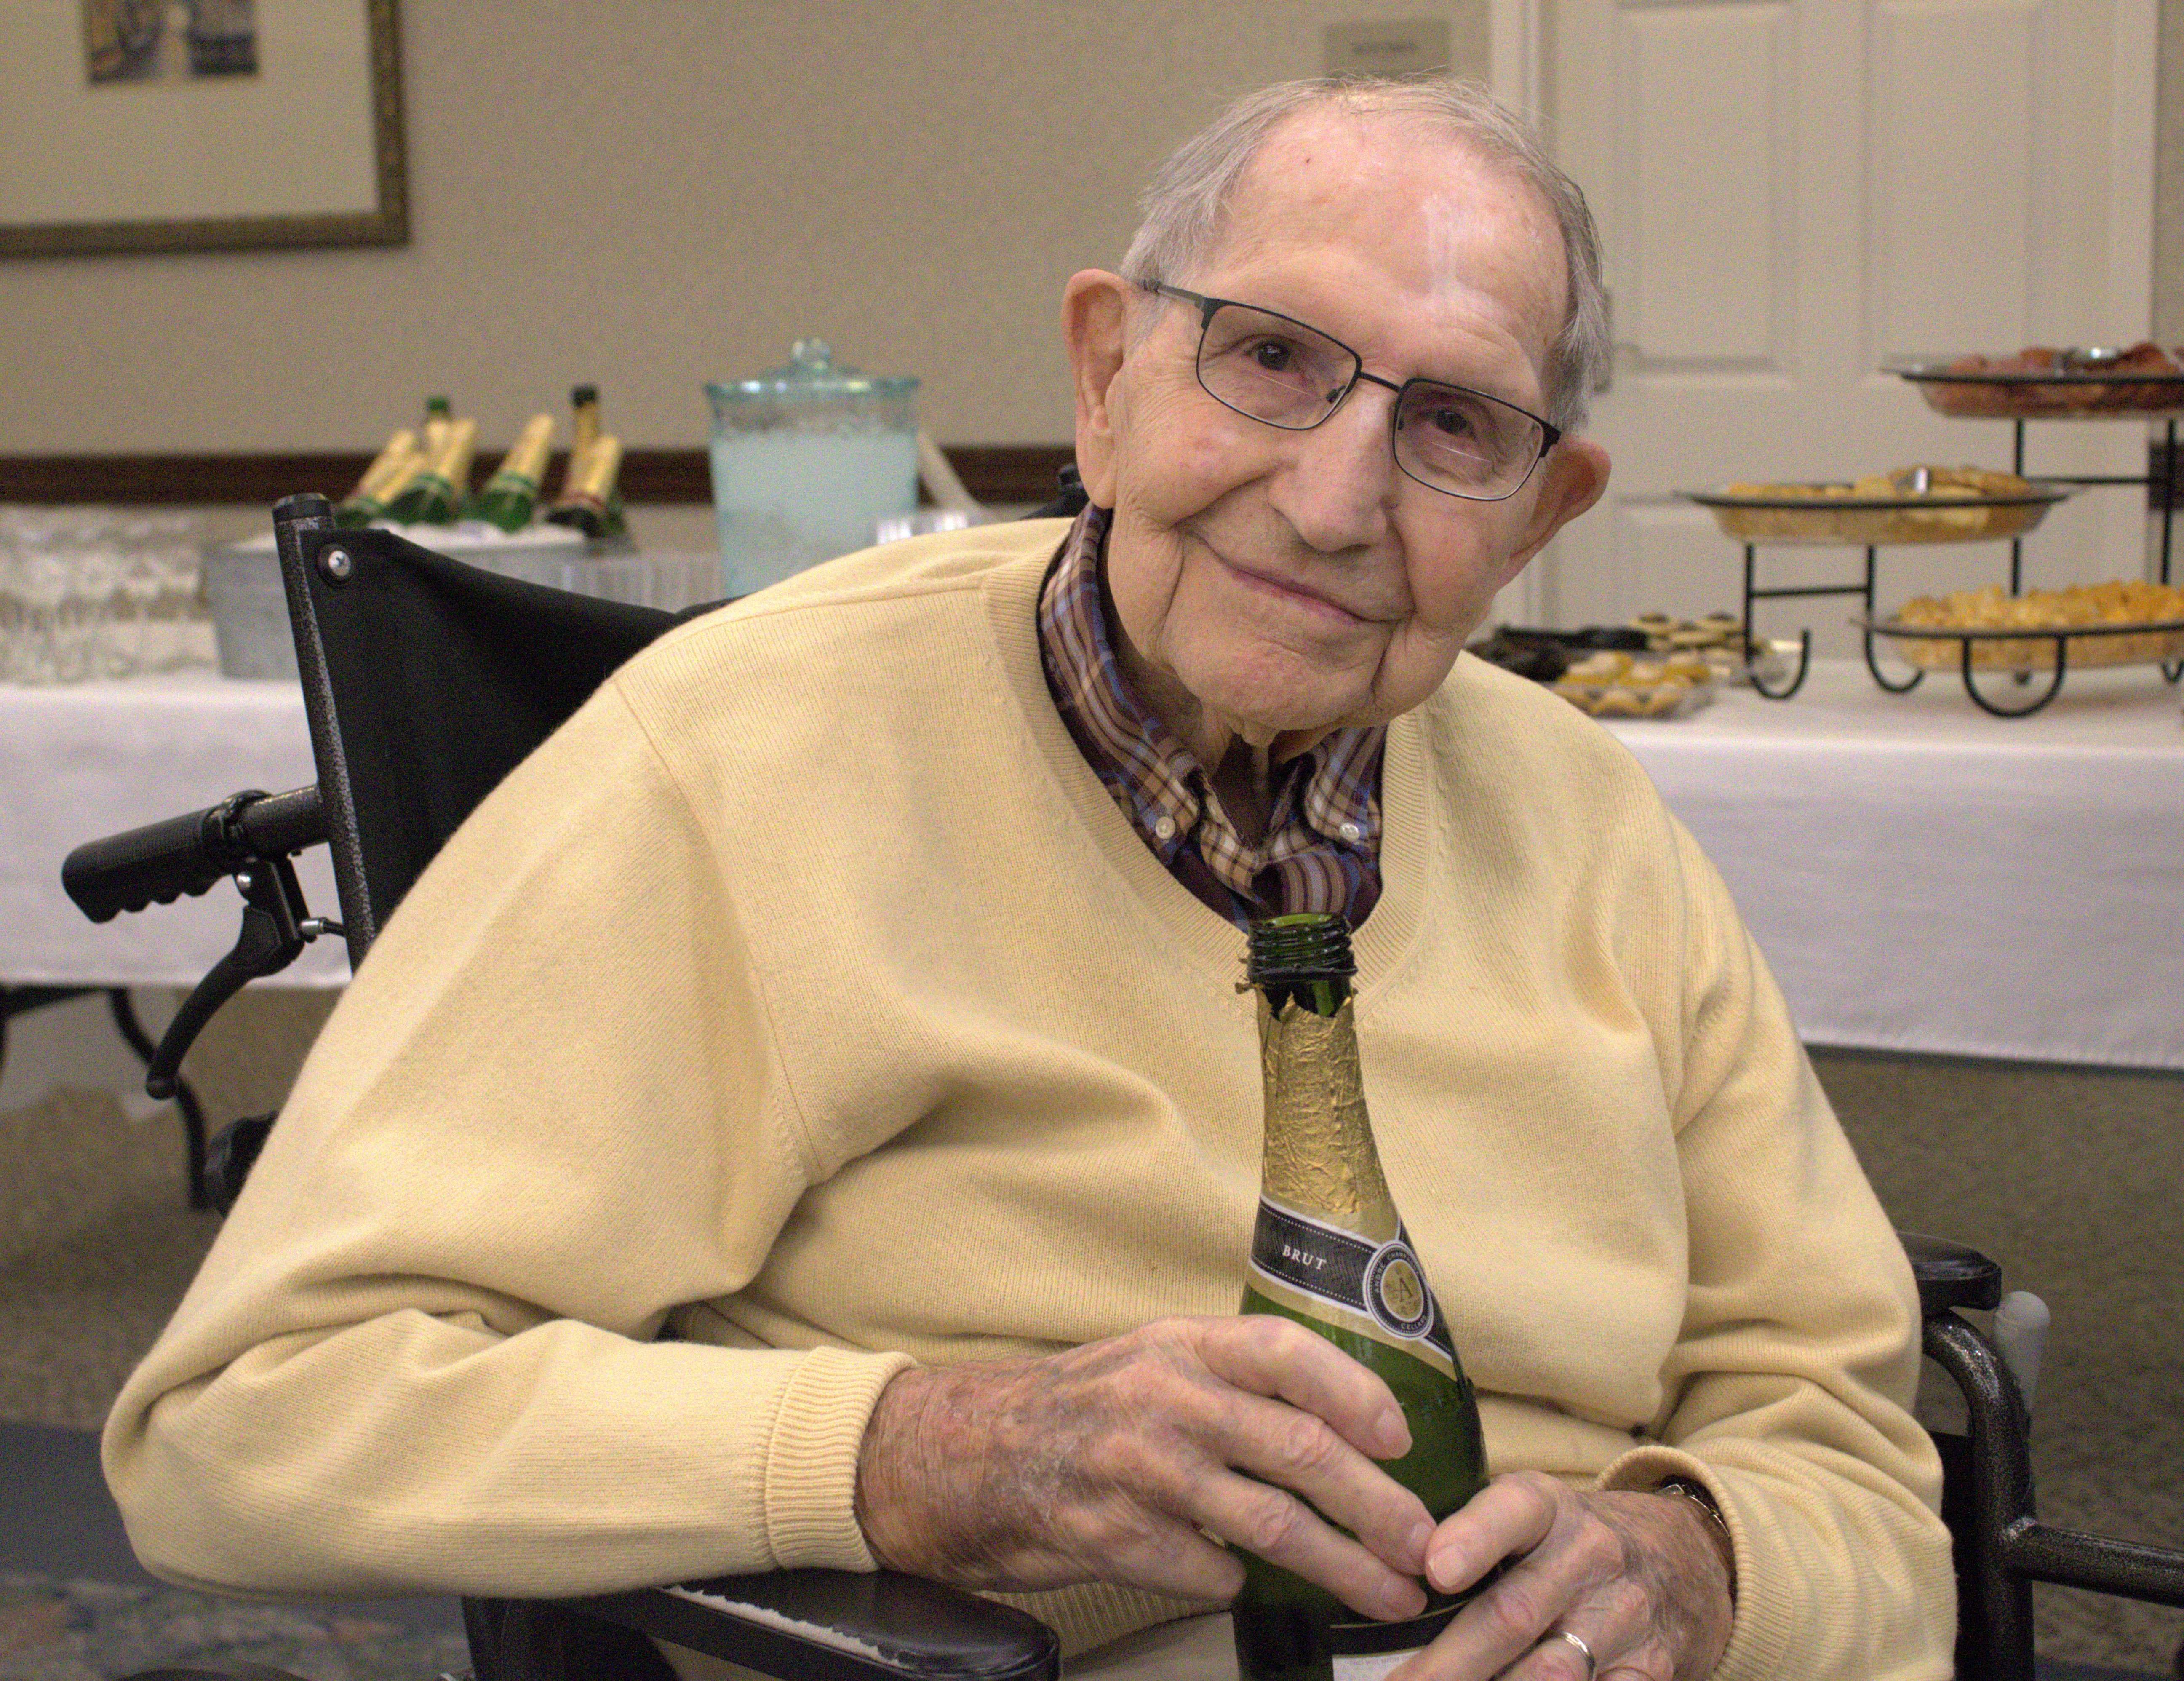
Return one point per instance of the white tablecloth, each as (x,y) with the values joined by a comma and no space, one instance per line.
(1925,877)
(79,761)
(1921,876)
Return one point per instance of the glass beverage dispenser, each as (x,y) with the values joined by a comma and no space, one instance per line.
(806,459)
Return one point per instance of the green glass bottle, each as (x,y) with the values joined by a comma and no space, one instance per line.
(386,478)
(1330,1252)
(511,494)
(439,416)
(436,495)
(590,497)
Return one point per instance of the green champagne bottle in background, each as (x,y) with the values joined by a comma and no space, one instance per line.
(580,502)
(589,500)
(436,495)
(387,476)
(1330,1252)
(512,493)
(439,416)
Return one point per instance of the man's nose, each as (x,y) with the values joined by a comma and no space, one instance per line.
(1339,480)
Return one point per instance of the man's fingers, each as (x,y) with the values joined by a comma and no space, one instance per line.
(1566,1571)
(1510,1515)
(1269,1355)
(1299,1451)
(1279,1527)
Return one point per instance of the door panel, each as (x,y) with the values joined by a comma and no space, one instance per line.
(1793,193)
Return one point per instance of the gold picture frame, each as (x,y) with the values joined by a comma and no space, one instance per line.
(305,151)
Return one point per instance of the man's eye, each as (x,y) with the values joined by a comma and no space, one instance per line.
(1273,355)
(1452,423)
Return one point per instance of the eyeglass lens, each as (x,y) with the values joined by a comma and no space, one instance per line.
(1288,375)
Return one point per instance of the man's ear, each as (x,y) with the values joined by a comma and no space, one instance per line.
(1093,327)
(1572,479)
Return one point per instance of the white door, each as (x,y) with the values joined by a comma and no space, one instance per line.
(1793,193)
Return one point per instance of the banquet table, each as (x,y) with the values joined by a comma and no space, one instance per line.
(81,760)
(1921,876)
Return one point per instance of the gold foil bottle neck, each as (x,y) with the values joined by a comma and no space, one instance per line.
(527,457)
(387,466)
(593,478)
(1320,1158)
(452,460)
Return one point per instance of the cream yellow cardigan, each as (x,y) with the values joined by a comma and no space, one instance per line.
(805,1007)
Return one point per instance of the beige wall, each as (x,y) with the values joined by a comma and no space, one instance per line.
(2169,180)
(652,194)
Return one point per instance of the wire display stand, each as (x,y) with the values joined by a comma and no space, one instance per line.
(2158,484)
(2034,650)
(1841,515)
(1862,590)
(2158,487)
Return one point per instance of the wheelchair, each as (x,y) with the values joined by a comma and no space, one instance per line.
(424,682)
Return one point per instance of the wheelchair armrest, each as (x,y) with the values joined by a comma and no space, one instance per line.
(839,1625)
(1950,1274)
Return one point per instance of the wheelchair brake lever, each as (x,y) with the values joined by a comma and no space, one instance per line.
(274,934)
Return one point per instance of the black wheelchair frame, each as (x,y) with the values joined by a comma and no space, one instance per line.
(400,653)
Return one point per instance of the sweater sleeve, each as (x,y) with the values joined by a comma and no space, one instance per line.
(1788,1394)
(425,1352)
(1789,1387)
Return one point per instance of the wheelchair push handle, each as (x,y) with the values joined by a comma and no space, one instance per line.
(163,861)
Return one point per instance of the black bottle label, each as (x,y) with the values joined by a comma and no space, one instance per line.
(1378,1288)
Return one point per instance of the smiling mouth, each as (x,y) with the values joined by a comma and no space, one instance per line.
(1295,593)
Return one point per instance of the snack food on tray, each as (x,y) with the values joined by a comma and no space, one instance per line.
(1923,505)
(2052,381)
(1613,684)
(2118,601)
(1715,644)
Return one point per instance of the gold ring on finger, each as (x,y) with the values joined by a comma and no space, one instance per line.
(1591,1663)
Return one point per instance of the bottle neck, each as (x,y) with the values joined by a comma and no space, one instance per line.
(1320,1158)
(527,457)
(583,428)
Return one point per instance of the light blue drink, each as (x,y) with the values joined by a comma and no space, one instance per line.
(806,459)
(786,500)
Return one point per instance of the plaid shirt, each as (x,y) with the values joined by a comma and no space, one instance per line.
(1321,851)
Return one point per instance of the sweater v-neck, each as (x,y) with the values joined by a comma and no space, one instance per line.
(1011,600)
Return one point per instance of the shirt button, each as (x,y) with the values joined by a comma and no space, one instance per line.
(1351,831)
(1164,827)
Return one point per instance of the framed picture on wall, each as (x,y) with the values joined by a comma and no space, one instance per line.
(199,126)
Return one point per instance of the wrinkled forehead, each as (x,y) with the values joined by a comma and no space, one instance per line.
(1433,222)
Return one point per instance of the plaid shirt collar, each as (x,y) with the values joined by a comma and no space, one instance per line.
(1320,850)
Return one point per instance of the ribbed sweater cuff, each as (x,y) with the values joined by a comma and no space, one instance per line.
(811,1459)
(1759,1639)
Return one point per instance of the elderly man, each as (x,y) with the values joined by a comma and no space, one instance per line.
(805,1117)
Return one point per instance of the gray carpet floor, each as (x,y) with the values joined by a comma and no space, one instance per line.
(2072,1179)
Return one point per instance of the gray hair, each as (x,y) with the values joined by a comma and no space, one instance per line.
(1185,205)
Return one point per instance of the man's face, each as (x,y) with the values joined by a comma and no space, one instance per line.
(1281,583)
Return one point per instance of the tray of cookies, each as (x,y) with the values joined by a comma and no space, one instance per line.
(1616,684)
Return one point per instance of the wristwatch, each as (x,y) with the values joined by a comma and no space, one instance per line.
(1698,1494)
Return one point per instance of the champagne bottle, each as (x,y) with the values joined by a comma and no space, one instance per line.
(574,504)
(512,493)
(436,494)
(1330,1252)
(387,476)
(439,416)
(589,499)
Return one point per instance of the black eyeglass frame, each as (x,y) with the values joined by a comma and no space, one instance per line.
(1550,434)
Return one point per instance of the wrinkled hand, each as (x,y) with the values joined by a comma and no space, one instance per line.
(1118,1461)
(1643,1579)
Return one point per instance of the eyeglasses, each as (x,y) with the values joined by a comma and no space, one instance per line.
(1275,369)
